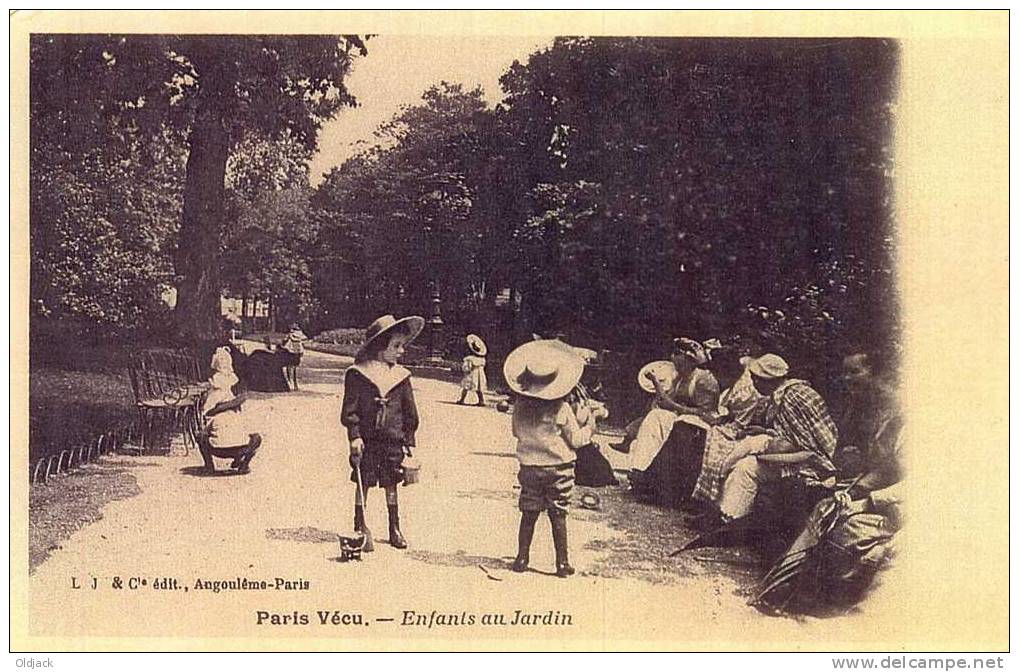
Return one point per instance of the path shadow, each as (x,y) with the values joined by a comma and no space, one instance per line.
(294,394)
(646,536)
(463,559)
(306,535)
(202,472)
(490,454)
(453,403)
(485,493)
(483,563)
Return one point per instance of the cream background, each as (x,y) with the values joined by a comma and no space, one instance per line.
(952,216)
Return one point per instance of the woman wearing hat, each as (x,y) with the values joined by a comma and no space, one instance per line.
(802,437)
(542,374)
(725,443)
(694,393)
(380,416)
(474,370)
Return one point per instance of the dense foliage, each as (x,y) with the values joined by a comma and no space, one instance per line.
(212,91)
(625,190)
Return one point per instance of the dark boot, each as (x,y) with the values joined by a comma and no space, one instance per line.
(481,398)
(396,539)
(360,526)
(524,537)
(463,398)
(562,560)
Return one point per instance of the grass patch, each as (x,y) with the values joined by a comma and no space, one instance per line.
(58,509)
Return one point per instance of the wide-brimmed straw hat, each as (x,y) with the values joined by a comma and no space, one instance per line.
(665,372)
(387,324)
(542,370)
(769,366)
(477,345)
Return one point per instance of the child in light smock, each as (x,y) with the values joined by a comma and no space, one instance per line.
(548,434)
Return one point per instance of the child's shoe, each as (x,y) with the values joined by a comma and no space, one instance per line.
(362,528)
(369,543)
(559,539)
(396,539)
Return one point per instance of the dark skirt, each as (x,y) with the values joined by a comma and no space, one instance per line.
(593,470)
(262,371)
(671,478)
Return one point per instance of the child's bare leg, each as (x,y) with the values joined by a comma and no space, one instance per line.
(396,539)
(524,536)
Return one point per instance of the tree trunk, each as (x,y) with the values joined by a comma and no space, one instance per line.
(198,296)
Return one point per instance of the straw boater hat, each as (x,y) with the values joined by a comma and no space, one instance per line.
(769,367)
(477,345)
(542,370)
(386,324)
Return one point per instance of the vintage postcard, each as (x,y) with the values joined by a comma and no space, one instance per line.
(517,330)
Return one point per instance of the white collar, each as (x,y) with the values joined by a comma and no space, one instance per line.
(383,376)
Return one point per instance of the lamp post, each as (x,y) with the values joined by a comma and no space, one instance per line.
(435,328)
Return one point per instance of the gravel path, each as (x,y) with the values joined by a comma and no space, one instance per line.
(280,524)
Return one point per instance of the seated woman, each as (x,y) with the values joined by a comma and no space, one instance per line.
(263,371)
(724,445)
(694,393)
(224,432)
(801,439)
(850,535)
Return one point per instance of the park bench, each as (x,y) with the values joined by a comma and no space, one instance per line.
(168,395)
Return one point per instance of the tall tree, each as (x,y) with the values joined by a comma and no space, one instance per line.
(214,89)
(410,204)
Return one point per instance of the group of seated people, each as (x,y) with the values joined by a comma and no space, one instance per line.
(770,432)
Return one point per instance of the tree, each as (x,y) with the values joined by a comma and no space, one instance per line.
(213,89)
(102,229)
(693,180)
(405,211)
(271,225)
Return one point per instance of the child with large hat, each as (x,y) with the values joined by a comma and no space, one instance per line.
(474,370)
(542,374)
(381,417)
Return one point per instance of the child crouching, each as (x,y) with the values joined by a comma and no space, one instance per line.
(543,374)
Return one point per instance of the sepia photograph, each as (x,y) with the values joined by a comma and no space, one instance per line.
(507,331)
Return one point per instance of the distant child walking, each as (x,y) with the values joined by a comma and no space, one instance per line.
(292,349)
(542,374)
(474,370)
(381,417)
